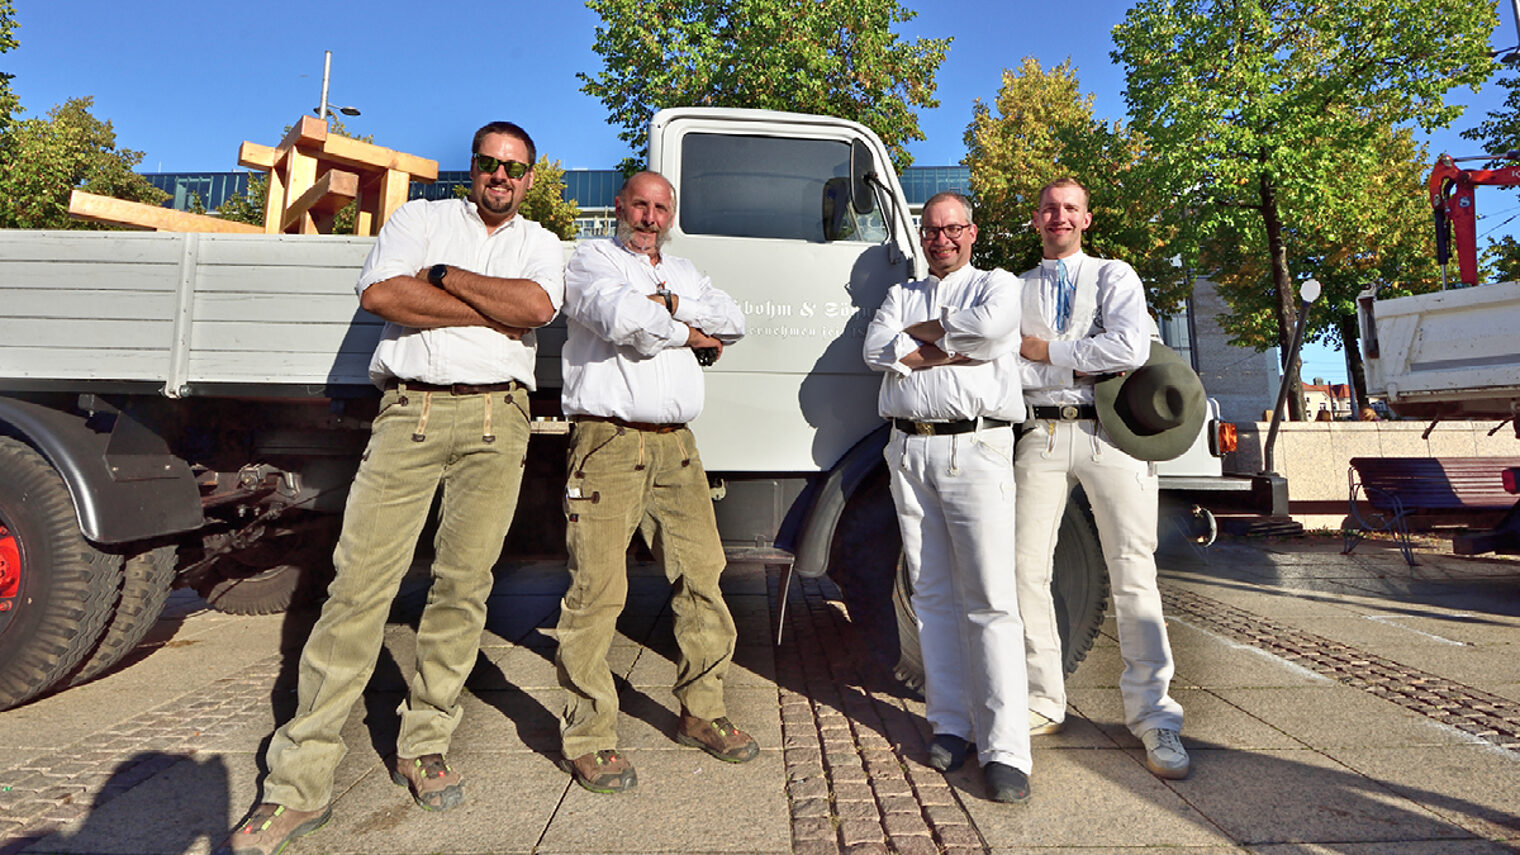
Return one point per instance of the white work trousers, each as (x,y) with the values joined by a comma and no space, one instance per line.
(955,505)
(1051,459)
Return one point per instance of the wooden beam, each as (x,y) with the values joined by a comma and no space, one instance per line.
(255,156)
(368,156)
(307,131)
(330,193)
(105,209)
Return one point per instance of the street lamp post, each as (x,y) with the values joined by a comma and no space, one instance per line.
(323,108)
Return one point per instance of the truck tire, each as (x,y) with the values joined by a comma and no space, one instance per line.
(64,587)
(276,573)
(146,580)
(866,562)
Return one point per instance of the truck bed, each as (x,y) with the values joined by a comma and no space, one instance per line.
(1448,354)
(185,312)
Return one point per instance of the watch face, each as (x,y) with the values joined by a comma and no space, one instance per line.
(436,274)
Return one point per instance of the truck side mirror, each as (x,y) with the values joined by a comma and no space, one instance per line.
(862,168)
(837,223)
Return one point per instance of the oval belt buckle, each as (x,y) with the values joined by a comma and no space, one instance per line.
(923,428)
(1068,412)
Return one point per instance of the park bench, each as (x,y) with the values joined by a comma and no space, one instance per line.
(1397,488)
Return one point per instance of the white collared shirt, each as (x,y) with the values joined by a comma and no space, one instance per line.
(422,233)
(1116,339)
(625,355)
(980,313)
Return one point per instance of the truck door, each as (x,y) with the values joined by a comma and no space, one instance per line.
(769,208)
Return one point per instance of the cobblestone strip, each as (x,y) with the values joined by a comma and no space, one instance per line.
(1488,717)
(40,796)
(855,777)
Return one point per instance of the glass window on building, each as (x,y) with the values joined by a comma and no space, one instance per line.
(767,187)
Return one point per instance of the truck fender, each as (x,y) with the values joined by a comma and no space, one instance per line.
(124,482)
(829,500)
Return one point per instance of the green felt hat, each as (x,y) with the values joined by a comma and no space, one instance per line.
(1155,411)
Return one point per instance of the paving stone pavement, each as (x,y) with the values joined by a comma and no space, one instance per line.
(1335,704)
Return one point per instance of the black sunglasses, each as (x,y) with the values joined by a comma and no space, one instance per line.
(487,165)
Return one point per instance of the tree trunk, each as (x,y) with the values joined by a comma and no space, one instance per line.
(1351,341)
(1286,305)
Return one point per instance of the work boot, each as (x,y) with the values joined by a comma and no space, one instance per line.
(270,827)
(718,737)
(434,785)
(605,771)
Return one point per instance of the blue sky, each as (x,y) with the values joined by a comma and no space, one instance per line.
(186,81)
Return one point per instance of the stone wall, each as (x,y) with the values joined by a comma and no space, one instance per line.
(1315,456)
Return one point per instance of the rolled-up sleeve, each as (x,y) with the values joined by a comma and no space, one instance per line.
(401,248)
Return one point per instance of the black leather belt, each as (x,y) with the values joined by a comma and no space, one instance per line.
(453,388)
(1064,412)
(650,427)
(944,428)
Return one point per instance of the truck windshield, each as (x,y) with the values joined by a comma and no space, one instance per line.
(770,187)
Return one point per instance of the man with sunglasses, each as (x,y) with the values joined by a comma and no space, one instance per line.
(947,347)
(635,317)
(461,284)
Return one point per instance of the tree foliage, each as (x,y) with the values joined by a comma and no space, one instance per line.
(1041,127)
(1499,134)
(1256,109)
(836,57)
(8,103)
(42,160)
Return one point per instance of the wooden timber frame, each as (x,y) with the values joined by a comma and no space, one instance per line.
(314,174)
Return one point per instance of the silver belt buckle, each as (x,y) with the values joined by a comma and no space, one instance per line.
(923,428)
(1069,412)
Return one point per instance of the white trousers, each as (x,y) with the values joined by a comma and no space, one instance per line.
(955,505)
(1122,490)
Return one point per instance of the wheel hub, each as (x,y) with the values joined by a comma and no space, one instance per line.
(10,568)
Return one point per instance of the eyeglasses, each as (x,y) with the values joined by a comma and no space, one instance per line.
(952,231)
(487,165)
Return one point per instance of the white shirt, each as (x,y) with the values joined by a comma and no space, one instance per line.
(626,356)
(980,313)
(422,233)
(1116,338)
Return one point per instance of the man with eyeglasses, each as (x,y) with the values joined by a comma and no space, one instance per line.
(461,284)
(1085,317)
(947,347)
(635,317)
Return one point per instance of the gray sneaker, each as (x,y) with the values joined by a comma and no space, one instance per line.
(1039,725)
(1164,754)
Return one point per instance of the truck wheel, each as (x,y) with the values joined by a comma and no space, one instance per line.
(56,590)
(277,572)
(146,580)
(1080,583)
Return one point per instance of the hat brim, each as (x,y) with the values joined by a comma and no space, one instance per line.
(1132,438)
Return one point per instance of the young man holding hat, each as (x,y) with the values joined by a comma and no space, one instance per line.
(1100,414)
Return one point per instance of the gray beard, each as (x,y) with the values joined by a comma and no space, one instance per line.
(625,233)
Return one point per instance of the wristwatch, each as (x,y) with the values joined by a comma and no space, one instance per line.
(436,274)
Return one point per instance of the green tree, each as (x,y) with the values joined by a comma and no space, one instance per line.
(9,105)
(42,160)
(249,207)
(1253,107)
(1381,235)
(836,57)
(1043,128)
(546,204)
